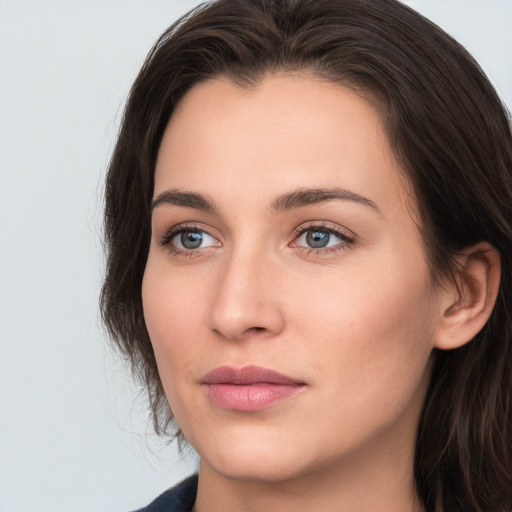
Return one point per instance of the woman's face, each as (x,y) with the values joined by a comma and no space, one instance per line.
(283,239)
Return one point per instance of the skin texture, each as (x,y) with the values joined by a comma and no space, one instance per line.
(355,321)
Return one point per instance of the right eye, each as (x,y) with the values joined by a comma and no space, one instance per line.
(190,239)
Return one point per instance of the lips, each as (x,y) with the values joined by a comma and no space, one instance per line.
(250,388)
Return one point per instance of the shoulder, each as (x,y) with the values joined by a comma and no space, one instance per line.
(180,498)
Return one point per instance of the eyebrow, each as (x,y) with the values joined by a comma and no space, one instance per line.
(184,199)
(296,199)
(311,196)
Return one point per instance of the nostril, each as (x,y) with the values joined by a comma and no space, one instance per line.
(257,329)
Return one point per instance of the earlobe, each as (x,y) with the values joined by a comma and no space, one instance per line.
(467,303)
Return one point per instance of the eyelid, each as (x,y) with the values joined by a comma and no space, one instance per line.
(347,236)
(173,231)
(324,226)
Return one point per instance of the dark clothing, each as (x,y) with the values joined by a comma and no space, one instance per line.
(180,498)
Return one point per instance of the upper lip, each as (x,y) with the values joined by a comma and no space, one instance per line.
(248,375)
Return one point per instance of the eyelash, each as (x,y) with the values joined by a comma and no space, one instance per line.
(346,240)
(167,238)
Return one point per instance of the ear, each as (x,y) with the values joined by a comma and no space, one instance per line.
(466,304)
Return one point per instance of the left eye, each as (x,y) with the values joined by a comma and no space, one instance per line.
(315,238)
(193,239)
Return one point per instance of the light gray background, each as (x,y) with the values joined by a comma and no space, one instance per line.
(73,430)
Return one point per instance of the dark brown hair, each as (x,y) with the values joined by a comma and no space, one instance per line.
(450,133)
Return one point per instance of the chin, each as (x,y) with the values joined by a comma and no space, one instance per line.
(254,457)
(256,468)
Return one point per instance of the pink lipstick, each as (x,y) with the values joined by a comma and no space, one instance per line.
(250,388)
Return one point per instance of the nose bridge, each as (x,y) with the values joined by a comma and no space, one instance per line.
(245,300)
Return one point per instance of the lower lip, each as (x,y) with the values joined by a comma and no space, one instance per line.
(250,397)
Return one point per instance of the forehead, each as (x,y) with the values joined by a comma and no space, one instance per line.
(286,132)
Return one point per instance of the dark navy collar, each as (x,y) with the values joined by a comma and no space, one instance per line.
(180,498)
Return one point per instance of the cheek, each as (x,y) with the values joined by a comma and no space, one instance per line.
(172,317)
(371,332)
(176,320)
(384,300)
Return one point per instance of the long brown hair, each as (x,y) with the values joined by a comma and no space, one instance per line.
(452,136)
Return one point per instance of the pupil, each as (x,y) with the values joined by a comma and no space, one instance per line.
(191,240)
(317,239)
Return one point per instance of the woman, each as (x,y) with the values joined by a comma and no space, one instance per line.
(308,223)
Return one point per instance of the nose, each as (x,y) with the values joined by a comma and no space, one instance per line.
(246,301)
